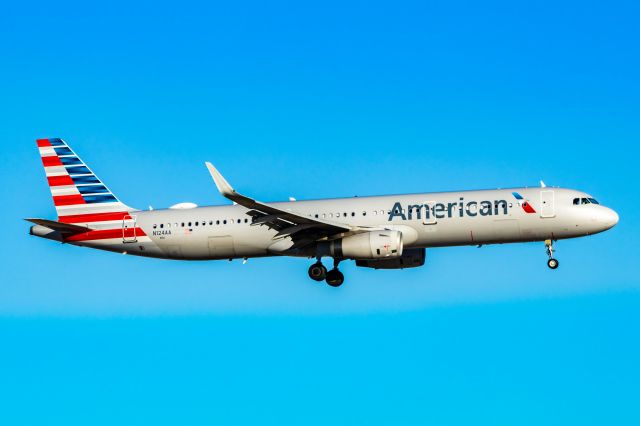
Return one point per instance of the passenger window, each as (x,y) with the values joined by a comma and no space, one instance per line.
(364,213)
(246,221)
(189,224)
(162,225)
(155,226)
(183,224)
(353,214)
(217,222)
(316,216)
(195,223)
(224,222)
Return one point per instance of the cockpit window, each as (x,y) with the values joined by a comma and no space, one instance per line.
(578,201)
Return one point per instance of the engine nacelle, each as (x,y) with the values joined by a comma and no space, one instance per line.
(368,245)
(411,258)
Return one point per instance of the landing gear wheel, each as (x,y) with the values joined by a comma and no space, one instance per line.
(317,272)
(335,278)
(552,262)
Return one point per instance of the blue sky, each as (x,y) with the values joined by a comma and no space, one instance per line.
(313,101)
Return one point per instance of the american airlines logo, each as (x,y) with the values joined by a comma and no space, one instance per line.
(524,203)
(460,208)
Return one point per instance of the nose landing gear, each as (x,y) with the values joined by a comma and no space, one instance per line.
(552,262)
(318,272)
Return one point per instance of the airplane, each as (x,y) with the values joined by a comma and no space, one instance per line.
(381,232)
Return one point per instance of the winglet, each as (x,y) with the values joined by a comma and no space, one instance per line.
(284,216)
(223,186)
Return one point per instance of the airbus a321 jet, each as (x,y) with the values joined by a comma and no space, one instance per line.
(385,232)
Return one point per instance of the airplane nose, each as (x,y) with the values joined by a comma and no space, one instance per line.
(614,218)
(609,217)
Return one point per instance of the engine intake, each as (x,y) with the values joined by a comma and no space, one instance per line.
(368,245)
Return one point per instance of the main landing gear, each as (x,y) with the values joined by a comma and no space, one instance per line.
(318,272)
(552,262)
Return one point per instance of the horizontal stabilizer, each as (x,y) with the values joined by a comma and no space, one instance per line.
(63,228)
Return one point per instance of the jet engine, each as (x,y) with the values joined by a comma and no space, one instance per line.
(411,258)
(368,245)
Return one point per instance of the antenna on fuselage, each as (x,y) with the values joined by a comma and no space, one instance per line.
(542,184)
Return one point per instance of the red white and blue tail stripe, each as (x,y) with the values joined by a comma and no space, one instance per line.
(78,195)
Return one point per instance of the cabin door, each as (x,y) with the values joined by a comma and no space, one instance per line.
(129,229)
(428,216)
(547,207)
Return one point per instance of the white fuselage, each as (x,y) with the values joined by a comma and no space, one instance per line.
(425,220)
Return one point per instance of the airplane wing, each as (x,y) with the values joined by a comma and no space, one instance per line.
(63,228)
(287,222)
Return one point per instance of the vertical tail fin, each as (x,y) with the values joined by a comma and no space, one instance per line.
(78,195)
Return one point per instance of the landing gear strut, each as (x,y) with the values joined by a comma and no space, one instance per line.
(552,262)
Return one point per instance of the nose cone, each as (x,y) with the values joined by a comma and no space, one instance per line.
(608,218)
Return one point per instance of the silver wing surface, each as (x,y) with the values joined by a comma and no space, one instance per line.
(302,229)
